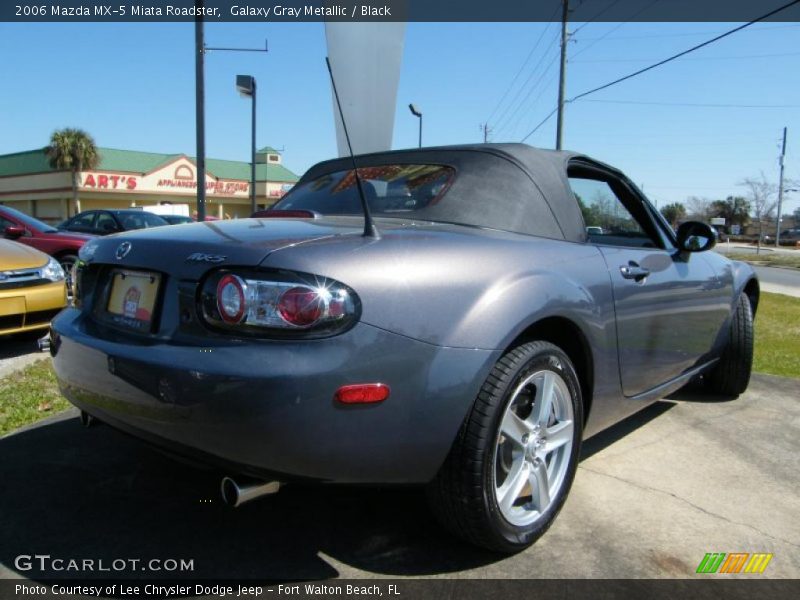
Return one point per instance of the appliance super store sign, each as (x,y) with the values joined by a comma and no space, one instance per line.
(178,183)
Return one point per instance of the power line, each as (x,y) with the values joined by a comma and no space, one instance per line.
(545,87)
(686,34)
(594,18)
(521,89)
(739,57)
(665,61)
(542,122)
(502,118)
(522,67)
(685,52)
(610,31)
(529,94)
(695,104)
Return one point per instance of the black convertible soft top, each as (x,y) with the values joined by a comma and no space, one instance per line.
(513,187)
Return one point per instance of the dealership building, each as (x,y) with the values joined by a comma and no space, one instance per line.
(126,178)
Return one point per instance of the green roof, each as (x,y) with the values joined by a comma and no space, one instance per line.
(131,161)
(234,169)
(22,163)
(268,150)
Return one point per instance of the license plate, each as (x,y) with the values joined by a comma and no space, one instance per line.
(133,297)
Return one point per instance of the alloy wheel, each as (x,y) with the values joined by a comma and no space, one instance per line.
(533,447)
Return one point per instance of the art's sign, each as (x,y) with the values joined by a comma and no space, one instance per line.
(102,181)
(177,178)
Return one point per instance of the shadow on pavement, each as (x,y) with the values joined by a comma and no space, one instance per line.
(696,392)
(75,493)
(72,492)
(12,346)
(605,438)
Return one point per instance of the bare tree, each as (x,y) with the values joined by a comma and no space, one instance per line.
(698,208)
(762,197)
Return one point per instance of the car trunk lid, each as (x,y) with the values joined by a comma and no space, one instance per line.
(188,251)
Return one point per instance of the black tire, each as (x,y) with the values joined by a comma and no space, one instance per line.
(462,495)
(731,375)
(67,261)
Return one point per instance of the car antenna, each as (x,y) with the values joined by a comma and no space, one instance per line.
(369,226)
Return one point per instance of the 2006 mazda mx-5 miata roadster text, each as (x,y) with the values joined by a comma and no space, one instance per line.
(510,302)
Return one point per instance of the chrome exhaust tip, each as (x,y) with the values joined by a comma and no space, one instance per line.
(88,420)
(43,343)
(237,493)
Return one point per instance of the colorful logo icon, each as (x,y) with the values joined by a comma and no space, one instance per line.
(734,562)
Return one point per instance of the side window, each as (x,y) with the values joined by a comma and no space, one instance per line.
(5,223)
(105,223)
(84,221)
(606,217)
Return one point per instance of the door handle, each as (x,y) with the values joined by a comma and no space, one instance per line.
(633,271)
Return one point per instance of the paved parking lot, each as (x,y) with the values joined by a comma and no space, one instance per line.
(652,496)
(17,352)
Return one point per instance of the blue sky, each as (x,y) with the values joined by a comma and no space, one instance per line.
(132,86)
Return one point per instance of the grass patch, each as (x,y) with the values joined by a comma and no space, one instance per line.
(777,331)
(769,259)
(29,395)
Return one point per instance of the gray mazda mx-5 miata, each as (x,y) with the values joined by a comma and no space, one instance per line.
(508,303)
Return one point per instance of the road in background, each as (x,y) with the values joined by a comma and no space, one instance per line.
(780,281)
(726,248)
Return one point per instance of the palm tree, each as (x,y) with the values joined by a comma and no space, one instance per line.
(73,150)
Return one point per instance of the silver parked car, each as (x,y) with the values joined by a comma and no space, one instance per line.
(509,303)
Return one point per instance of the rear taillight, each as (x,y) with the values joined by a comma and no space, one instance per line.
(231,302)
(284,304)
(301,307)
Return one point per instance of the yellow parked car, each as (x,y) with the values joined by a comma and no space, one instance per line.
(32,288)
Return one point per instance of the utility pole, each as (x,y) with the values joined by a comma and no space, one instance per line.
(486,130)
(562,79)
(780,192)
(200,113)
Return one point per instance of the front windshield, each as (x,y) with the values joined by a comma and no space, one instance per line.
(389,189)
(29,221)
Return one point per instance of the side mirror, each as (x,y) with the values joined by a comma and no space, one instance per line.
(14,232)
(694,236)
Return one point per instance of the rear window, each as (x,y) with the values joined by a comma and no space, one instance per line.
(391,190)
(140,220)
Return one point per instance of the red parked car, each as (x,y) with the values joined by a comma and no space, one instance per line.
(18,226)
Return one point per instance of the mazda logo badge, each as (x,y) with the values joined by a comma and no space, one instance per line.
(123,250)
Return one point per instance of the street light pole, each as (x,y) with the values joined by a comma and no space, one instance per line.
(249,90)
(416,112)
(780,193)
(246,85)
